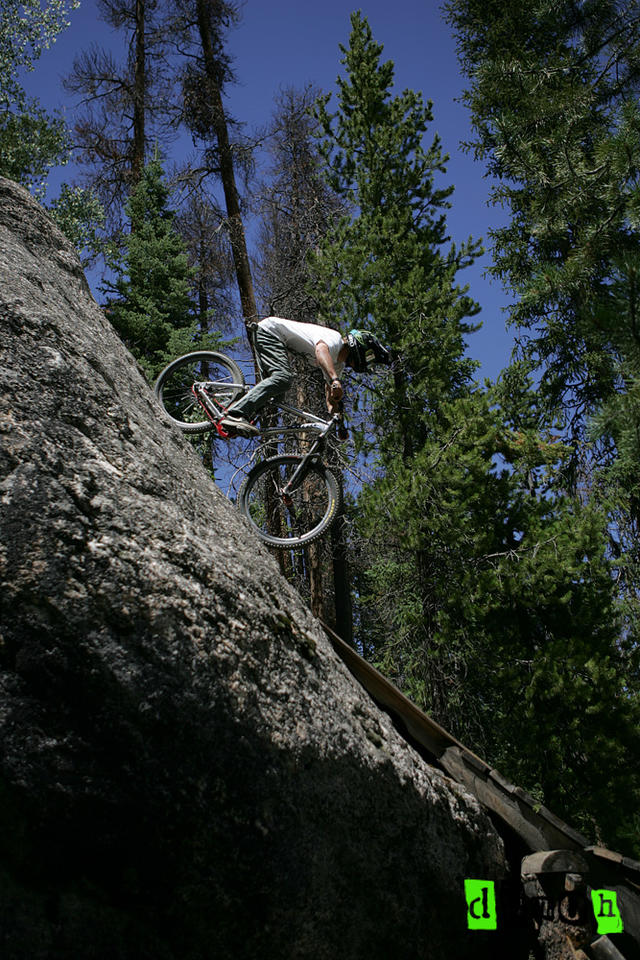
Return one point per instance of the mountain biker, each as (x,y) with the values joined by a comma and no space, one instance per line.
(319,346)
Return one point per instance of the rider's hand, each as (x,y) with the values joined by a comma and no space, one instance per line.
(335,391)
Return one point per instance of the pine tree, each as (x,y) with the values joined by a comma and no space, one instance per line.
(197,28)
(124,105)
(553,101)
(387,265)
(200,224)
(297,209)
(391,267)
(152,309)
(482,589)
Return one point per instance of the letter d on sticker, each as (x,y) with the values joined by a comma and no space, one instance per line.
(481,904)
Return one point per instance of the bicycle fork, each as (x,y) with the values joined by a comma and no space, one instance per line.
(298,474)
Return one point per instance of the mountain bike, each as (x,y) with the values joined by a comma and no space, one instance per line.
(289,500)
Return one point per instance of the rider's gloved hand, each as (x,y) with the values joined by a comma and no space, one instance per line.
(335,391)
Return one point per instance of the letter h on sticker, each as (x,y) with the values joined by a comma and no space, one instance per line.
(605,909)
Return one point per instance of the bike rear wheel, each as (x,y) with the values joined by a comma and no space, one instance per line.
(222,376)
(299,518)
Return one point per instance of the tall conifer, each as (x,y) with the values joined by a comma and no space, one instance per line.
(553,96)
(482,590)
(151,305)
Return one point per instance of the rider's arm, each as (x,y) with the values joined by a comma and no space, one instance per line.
(333,389)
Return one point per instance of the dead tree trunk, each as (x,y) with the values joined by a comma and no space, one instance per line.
(227,174)
(139,96)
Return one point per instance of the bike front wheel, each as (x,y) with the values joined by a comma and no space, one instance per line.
(301,515)
(221,377)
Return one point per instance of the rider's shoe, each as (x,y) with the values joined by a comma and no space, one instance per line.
(238,425)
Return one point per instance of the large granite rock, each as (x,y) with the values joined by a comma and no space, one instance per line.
(187,769)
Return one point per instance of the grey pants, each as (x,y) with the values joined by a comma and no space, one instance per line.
(275,370)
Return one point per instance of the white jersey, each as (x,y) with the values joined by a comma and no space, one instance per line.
(303,338)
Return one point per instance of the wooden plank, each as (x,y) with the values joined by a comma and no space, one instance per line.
(554,861)
(604,949)
(422,728)
(540,829)
(535,824)
(516,808)
(579,840)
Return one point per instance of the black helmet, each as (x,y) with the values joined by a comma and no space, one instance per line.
(365,349)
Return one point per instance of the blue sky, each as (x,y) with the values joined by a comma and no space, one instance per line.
(282,43)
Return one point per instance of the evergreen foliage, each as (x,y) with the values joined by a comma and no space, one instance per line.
(553,100)
(483,590)
(391,267)
(152,309)
(388,266)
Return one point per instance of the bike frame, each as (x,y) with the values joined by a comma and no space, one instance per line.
(218,412)
(323,428)
(311,421)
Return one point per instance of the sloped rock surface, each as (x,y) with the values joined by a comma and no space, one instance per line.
(187,769)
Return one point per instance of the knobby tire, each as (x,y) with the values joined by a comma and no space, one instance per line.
(173,387)
(313,506)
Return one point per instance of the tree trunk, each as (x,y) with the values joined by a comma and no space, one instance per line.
(227,175)
(341,580)
(139,96)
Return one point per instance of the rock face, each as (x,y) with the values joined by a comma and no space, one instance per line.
(187,769)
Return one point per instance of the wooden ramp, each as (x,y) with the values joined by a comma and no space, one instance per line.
(537,827)
(534,824)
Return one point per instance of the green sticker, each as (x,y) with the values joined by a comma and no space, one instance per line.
(605,909)
(481,904)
